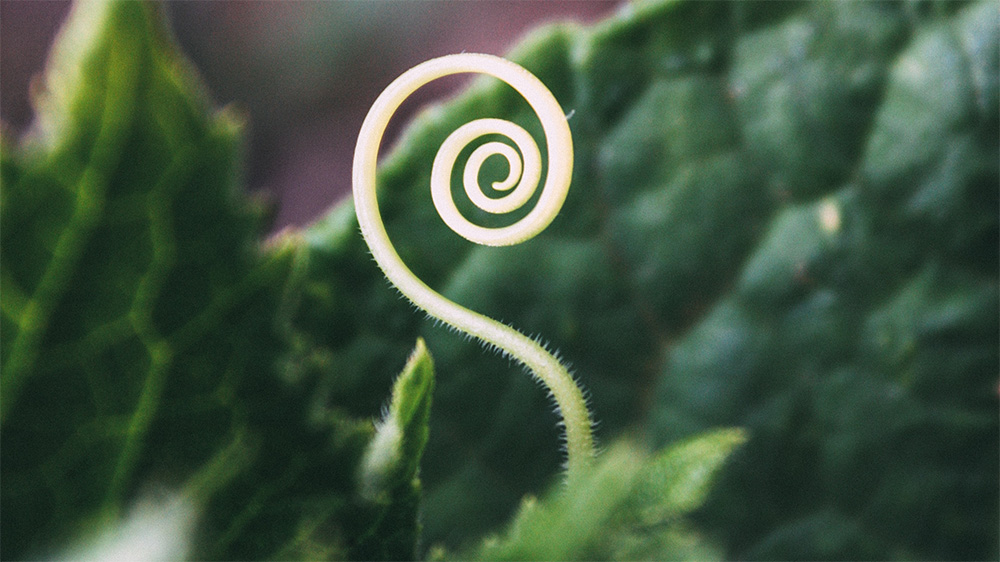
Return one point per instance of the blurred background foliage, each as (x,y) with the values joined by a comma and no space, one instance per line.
(285,63)
(784,218)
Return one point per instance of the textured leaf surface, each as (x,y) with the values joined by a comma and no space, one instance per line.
(783,216)
(145,331)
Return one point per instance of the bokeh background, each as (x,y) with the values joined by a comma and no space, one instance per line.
(286,65)
(834,289)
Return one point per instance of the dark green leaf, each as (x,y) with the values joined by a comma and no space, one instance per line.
(146,338)
(784,217)
(754,184)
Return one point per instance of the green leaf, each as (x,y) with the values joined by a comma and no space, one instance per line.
(393,456)
(783,218)
(563,526)
(120,204)
(753,183)
(389,471)
(147,344)
(627,507)
(859,344)
(678,478)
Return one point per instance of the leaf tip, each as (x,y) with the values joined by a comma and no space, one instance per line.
(393,455)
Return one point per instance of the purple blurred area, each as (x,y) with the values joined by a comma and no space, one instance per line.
(304,72)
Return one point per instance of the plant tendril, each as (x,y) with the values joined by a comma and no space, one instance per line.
(524,172)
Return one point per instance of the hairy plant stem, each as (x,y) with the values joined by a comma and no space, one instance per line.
(567,394)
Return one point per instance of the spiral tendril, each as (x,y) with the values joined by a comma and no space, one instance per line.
(524,173)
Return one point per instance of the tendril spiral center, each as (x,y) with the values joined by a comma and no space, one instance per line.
(522,180)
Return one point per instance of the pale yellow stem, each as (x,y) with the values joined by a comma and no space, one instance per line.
(559,144)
